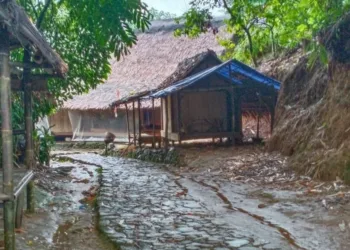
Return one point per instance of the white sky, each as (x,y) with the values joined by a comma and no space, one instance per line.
(177,7)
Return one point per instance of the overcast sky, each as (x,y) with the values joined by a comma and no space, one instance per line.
(177,7)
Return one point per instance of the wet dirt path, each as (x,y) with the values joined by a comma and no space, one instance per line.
(65,217)
(149,206)
(144,206)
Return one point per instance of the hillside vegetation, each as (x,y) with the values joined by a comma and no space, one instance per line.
(313,118)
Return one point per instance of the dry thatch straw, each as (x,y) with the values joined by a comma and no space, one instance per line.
(25,34)
(154,60)
(313,119)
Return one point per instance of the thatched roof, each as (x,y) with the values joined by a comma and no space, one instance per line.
(155,60)
(23,33)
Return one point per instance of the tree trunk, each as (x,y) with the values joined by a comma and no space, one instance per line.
(250,40)
(7,143)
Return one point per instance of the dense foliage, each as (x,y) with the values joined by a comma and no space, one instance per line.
(262,27)
(86,33)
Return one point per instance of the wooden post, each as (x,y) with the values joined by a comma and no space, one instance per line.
(153,124)
(258,126)
(166,142)
(127,121)
(272,121)
(134,121)
(238,113)
(140,121)
(28,114)
(179,121)
(7,143)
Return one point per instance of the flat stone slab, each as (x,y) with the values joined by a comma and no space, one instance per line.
(142,206)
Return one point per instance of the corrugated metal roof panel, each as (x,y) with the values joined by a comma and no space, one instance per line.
(226,70)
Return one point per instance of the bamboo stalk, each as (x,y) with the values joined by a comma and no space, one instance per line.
(153,124)
(134,121)
(7,143)
(127,121)
(166,142)
(28,113)
(140,121)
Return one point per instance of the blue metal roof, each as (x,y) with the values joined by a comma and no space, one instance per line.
(233,66)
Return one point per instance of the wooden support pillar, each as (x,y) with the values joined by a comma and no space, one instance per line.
(127,121)
(140,121)
(7,143)
(258,126)
(153,125)
(28,114)
(237,114)
(134,121)
(179,120)
(166,142)
(272,121)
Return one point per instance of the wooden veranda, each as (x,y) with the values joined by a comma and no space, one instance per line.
(17,31)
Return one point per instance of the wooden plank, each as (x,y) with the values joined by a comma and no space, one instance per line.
(127,121)
(207,135)
(37,86)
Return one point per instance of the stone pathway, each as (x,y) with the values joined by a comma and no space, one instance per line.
(144,206)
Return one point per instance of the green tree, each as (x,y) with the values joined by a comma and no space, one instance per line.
(264,26)
(86,33)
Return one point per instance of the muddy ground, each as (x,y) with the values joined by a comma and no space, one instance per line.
(255,193)
(65,218)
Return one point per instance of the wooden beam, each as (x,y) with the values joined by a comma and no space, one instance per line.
(127,121)
(134,121)
(153,124)
(30,65)
(37,85)
(7,141)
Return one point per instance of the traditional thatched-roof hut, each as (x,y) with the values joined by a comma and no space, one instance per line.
(159,58)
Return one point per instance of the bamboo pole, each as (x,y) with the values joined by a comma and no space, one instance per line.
(28,113)
(166,142)
(134,121)
(153,124)
(179,120)
(127,121)
(140,121)
(7,143)
(258,127)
